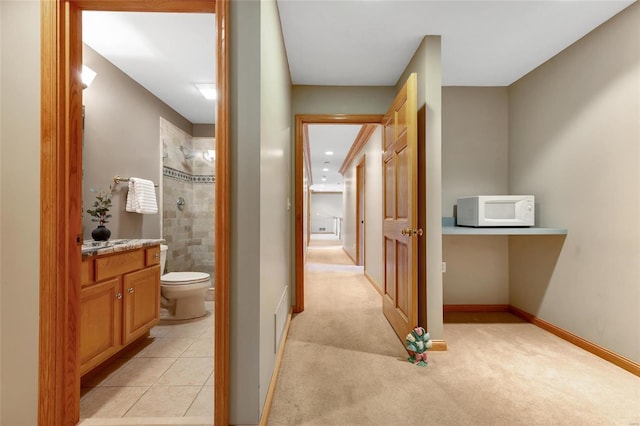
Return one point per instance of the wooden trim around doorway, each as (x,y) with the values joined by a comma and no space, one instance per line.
(60,221)
(60,201)
(302,120)
(361,140)
(168,6)
(222,222)
(307,155)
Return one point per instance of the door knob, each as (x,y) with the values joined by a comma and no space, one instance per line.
(411,232)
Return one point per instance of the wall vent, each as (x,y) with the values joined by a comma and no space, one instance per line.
(280,318)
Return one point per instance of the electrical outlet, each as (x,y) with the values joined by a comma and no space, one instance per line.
(444,267)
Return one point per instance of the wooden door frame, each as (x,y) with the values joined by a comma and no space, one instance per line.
(360,187)
(60,201)
(302,120)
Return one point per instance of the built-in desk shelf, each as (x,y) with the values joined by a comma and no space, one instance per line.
(449,228)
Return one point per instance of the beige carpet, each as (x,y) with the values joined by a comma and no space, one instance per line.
(343,365)
(325,252)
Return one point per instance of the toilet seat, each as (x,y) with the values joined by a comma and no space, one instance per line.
(184,278)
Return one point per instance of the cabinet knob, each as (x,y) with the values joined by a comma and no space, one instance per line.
(157,255)
(118,295)
(131,290)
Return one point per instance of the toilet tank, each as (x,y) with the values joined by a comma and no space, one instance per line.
(163,257)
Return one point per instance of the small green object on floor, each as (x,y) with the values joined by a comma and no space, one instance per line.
(417,342)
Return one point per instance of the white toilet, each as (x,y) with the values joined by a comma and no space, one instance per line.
(182,292)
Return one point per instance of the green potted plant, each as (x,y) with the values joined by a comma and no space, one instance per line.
(100,213)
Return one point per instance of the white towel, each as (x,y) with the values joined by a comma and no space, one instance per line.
(141,197)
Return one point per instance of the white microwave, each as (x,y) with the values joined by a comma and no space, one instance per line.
(496,210)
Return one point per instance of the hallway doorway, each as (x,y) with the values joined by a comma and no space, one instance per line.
(61,171)
(303,186)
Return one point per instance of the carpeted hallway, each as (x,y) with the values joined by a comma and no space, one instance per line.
(343,365)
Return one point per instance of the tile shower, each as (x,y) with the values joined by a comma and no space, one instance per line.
(189,175)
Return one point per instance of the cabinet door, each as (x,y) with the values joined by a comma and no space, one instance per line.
(141,302)
(100,322)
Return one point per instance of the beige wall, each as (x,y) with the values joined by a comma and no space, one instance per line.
(349,220)
(574,142)
(374,258)
(306,194)
(244,284)
(275,190)
(475,139)
(324,208)
(20,202)
(204,130)
(477,270)
(260,131)
(426,62)
(341,99)
(122,137)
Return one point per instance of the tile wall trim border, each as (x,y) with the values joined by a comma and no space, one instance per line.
(186,177)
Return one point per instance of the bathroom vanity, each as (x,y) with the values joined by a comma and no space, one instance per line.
(119,297)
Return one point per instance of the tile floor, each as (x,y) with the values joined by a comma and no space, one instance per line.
(168,379)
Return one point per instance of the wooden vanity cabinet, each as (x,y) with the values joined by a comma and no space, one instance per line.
(141,302)
(100,322)
(119,302)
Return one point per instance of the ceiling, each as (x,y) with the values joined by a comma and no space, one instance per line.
(370,42)
(484,43)
(349,42)
(334,138)
(166,53)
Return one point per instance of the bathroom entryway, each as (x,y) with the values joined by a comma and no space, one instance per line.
(59,388)
(165,375)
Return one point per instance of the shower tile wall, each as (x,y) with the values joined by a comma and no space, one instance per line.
(188,174)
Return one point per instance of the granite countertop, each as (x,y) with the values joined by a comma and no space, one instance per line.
(96,248)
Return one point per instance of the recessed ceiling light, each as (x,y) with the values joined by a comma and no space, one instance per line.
(325,169)
(208,90)
(329,153)
(87,76)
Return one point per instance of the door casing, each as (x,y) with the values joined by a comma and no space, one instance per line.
(360,212)
(60,200)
